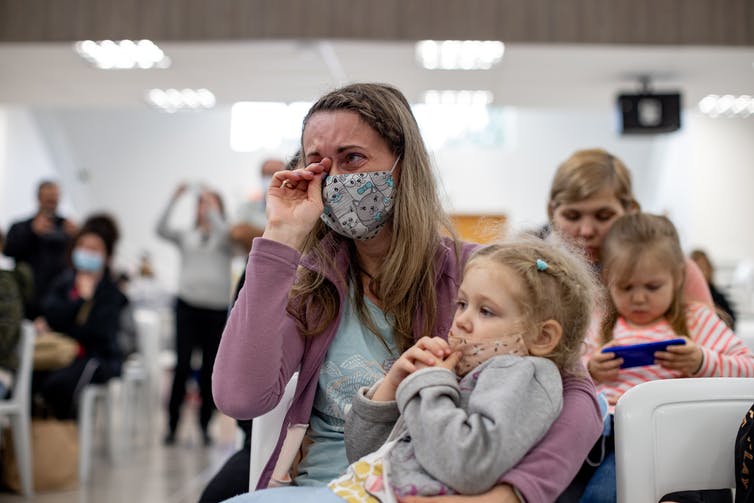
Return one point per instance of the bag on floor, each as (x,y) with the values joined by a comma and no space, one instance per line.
(53,351)
(55,455)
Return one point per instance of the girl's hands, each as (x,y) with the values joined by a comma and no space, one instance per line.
(686,358)
(294,203)
(604,367)
(427,352)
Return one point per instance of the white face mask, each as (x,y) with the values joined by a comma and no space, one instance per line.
(477,352)
(87,260)
(358,205)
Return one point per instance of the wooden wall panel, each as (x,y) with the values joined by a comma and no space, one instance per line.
(698,22)
(480,228)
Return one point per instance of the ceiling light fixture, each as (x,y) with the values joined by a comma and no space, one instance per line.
(122,55)
(174,100)
(458,97)
(727,105)
(459,54)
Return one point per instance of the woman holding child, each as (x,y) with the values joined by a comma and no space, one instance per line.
(353,270)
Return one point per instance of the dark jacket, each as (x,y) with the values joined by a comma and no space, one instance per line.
(95,324)
(46,254)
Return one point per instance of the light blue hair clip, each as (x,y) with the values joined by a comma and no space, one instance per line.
(541,265)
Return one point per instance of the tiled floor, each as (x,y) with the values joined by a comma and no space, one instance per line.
(150,472)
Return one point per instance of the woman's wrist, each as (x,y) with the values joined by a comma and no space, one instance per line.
(285,235)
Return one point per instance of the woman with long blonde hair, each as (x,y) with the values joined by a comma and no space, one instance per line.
(358,262)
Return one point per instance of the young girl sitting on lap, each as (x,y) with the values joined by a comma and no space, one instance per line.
(469,408)
(643,268)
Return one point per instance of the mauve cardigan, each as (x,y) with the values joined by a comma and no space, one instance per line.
(261,349)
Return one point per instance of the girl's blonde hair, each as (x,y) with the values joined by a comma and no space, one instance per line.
(406,280)
(628,239)
(558,285)
(588,172)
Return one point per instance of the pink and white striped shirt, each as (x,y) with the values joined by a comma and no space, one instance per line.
(725,355)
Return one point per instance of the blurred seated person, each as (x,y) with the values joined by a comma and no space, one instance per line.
(16,288)
(722,304)
(84,303)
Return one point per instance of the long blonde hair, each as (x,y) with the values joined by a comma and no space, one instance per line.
(562,287)
(588,172)
(631,236)
(405,282)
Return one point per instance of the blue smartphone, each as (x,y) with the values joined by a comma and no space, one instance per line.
(637,355)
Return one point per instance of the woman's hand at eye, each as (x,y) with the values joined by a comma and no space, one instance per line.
(294,203)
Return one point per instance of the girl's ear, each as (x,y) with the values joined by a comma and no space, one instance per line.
(546,339)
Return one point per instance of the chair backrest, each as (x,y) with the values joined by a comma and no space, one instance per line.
(264,433)
(21,395)
(678,434)
(22,385)
(148,338)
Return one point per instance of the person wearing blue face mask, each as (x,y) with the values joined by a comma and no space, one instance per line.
(357,263)
(85,304)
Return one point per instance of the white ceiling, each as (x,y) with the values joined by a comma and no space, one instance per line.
(529,75)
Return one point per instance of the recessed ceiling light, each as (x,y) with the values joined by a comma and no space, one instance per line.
(459,54)
(458,97)
(122,55)
(727,105)
(174,100)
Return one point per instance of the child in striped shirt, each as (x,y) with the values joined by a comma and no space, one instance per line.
(644,271)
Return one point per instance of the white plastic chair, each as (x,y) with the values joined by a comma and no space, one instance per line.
(140,376)
(678,434)
(264,433)
(92,396)
(18,408)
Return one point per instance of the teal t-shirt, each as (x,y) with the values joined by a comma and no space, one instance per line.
(356,358)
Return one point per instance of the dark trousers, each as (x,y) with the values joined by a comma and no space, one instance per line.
(232,478)
(195,327)
(62,388)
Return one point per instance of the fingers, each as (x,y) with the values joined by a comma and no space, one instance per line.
(605,361)
(452,360)
(687,360)
(604,366)
(300,178)
(314,188)
(418,354)
(435,345)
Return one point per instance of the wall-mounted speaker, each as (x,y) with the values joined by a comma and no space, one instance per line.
(649,113)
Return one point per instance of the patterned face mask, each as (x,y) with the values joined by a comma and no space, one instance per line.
(357,205)
(476,353)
